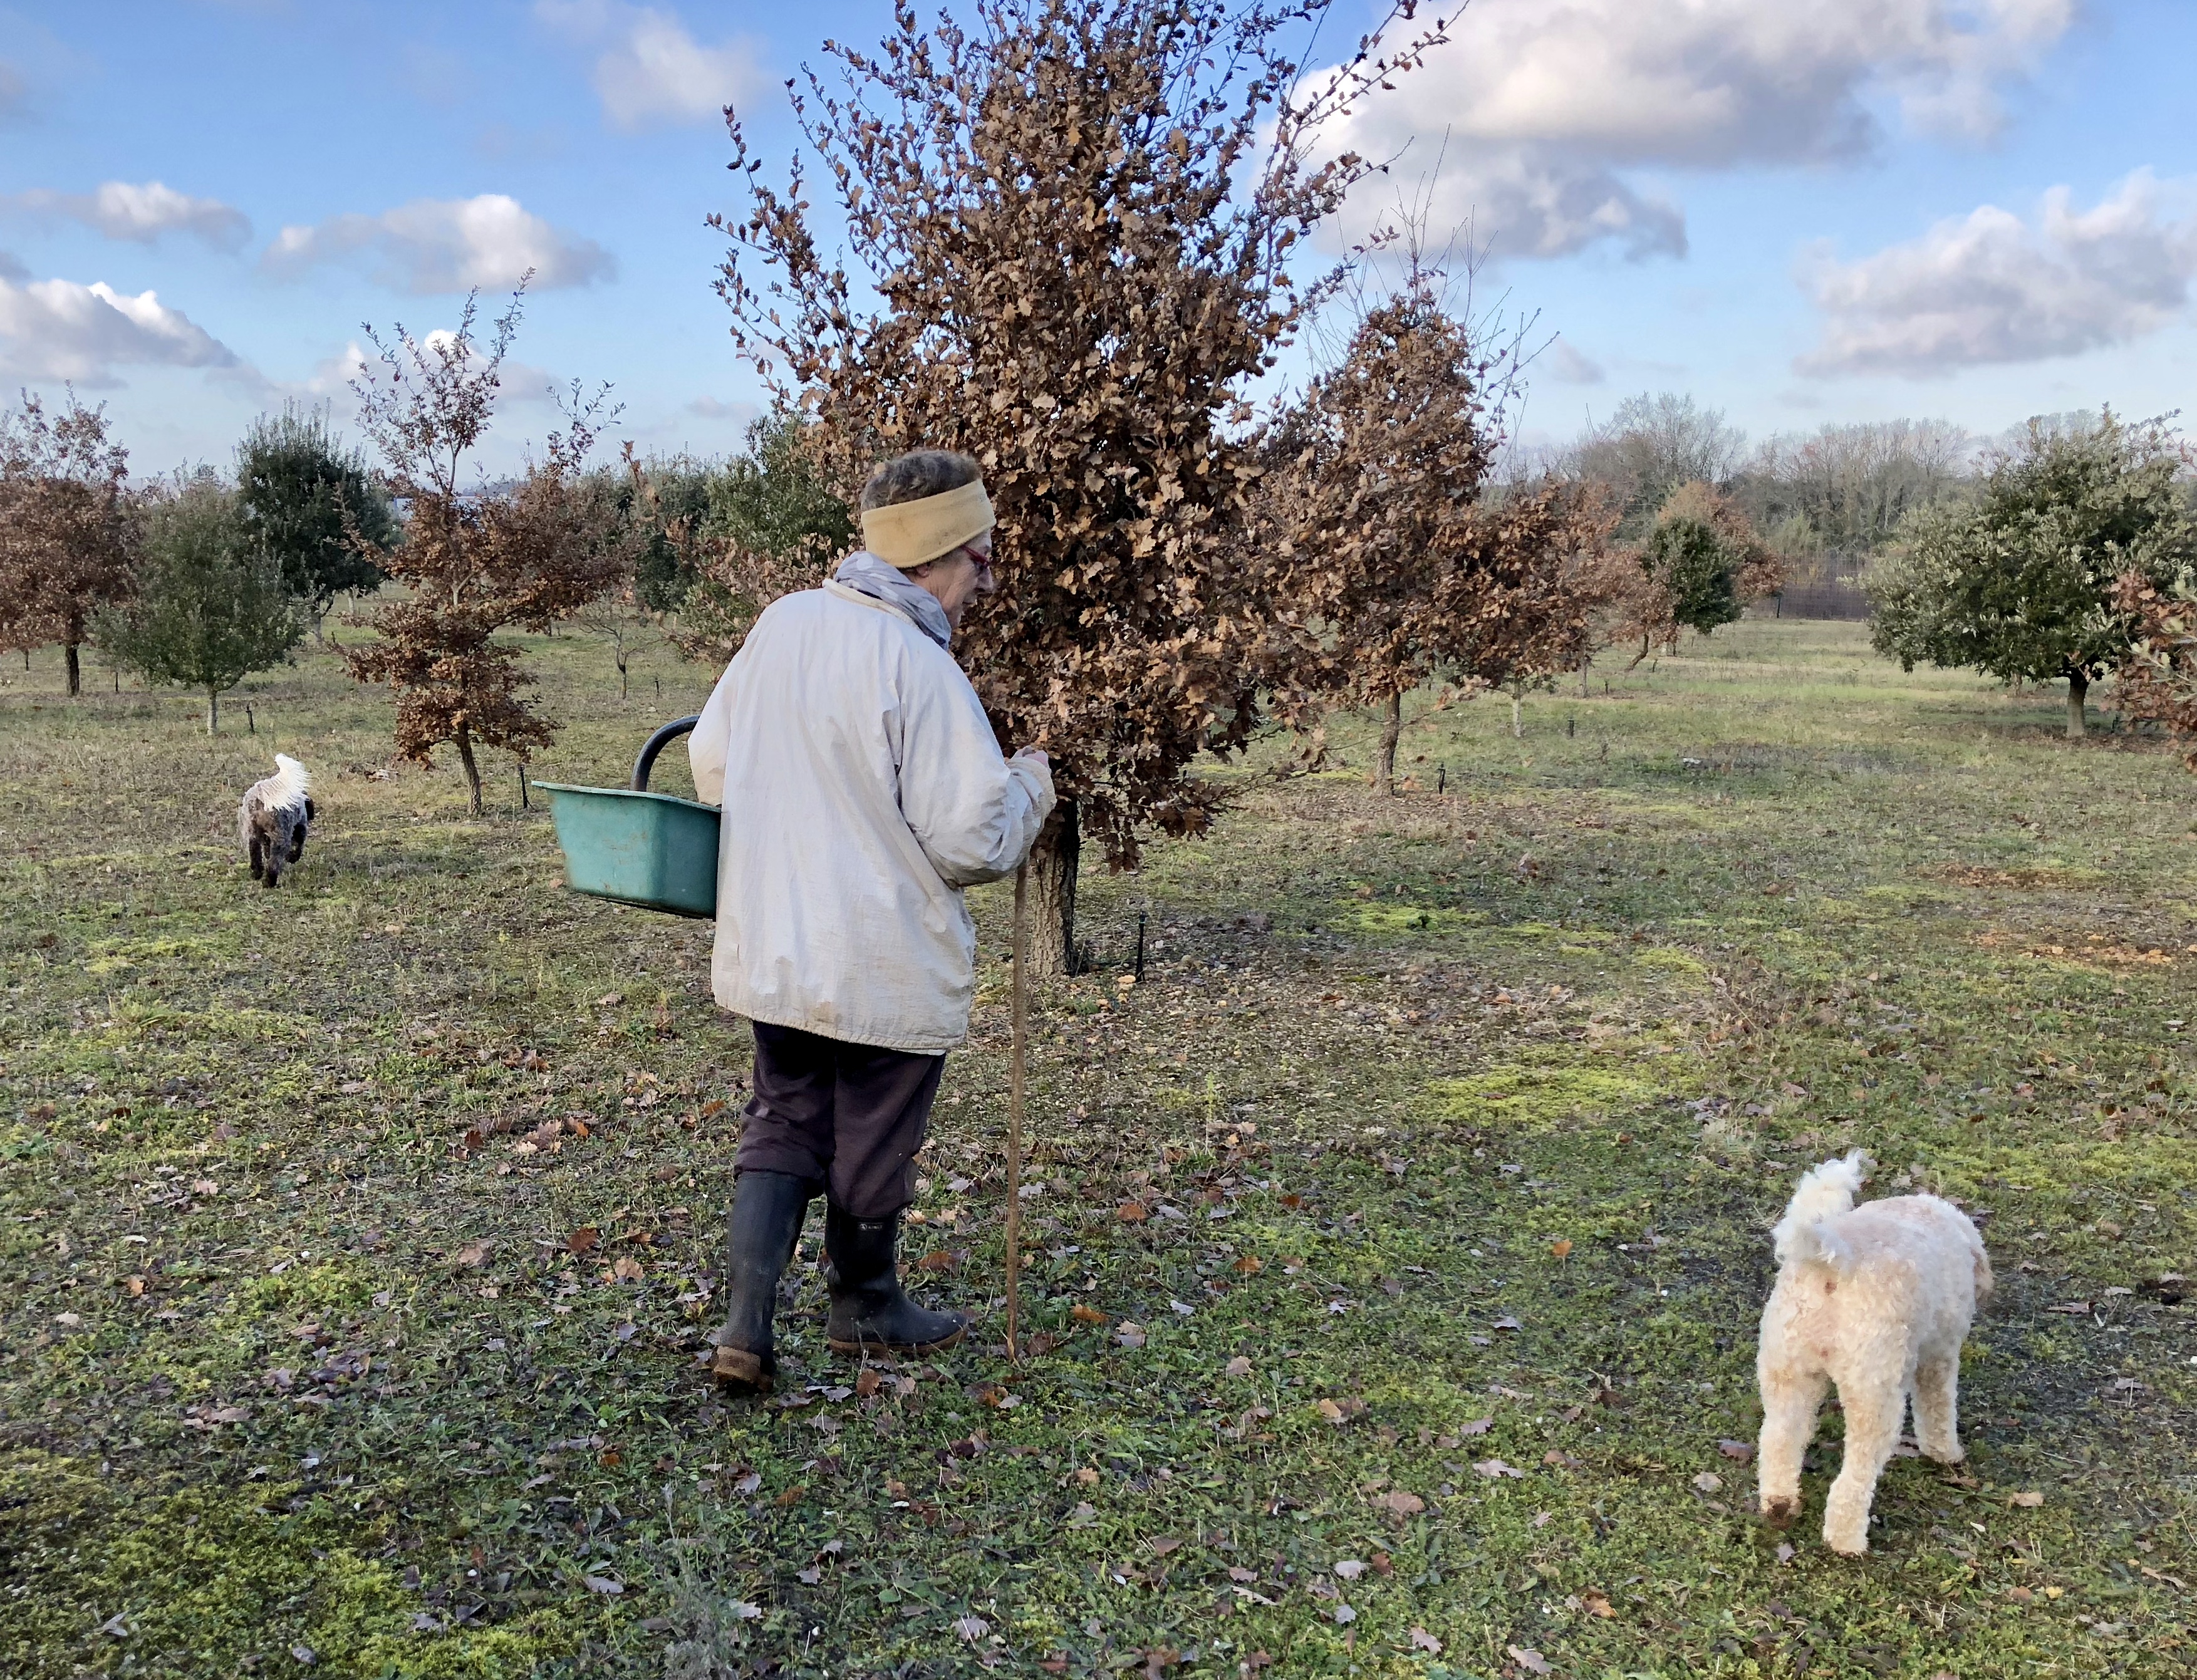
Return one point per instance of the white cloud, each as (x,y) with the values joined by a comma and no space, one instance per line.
(1991,287)
(11,267)
(648,69)
(124,210)
(1537,108)
(1568,366)
(57,329)
(447,245)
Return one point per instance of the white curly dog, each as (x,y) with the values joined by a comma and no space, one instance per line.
(1877,1299)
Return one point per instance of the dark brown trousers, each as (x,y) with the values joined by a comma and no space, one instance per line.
(848,1116)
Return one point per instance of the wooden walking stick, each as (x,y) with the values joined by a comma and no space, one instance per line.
(1017,1076)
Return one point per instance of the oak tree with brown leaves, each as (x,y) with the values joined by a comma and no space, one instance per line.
(1078,219)
(474,561)
(65,526)
(1389,561)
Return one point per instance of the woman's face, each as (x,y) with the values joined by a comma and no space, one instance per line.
(958,578)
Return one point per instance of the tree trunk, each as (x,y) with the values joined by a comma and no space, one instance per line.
(213,710)
(1517,722)
(465,739)
(1392,729)
(1054,863)
(1583,663)
(2079,687)
(75,668)
(621,665)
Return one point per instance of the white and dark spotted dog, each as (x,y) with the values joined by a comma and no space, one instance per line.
(271,821)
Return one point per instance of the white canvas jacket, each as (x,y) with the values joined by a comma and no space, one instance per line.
(862,789)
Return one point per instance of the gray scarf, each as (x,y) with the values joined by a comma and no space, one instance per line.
(864,571)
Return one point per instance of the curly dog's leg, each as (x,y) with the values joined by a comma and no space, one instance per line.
(1873,1410)
(1789,1404)
(1937,1408)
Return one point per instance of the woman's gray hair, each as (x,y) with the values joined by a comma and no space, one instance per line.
(917,474)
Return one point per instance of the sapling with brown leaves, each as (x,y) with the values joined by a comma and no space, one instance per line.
(66,534)
(476,560)
(1079,220)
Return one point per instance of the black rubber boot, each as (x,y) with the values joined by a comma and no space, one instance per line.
(870,1313)
(768,1209)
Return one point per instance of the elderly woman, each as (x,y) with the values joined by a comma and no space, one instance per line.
(863,790)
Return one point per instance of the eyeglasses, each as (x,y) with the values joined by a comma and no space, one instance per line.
(982,562)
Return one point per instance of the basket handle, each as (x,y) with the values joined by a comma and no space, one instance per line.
(656,744)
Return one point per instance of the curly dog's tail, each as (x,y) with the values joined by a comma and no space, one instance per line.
(1805,1235)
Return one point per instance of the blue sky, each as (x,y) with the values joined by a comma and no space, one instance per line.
(1971,209)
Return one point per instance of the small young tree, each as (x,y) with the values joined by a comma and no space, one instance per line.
(211,603)
(1079,217)
(2158,677)
(2022,582)
(314,504)
(1386,561)
(1699,565)
(65,526)
(475,561)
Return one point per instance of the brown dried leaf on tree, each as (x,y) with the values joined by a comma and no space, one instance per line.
(1389,557)
(2158,677)
(1079,219)
(66,530)
(476,560)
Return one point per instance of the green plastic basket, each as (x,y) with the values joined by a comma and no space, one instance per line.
(650,849)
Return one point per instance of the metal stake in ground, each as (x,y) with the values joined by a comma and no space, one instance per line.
(1018,1078)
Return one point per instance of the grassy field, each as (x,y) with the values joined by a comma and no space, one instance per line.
(1399,1239)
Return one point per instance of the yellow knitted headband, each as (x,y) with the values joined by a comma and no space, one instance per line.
(910,533)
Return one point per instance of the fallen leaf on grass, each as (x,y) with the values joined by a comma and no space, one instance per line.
(627,1270)
(1238,1366)
(603,1584)
(1129,1334)
(1342,1411)
(972,1628)
(1086,1315)
(1533,1661)
(1740,1453)
(790,1497)
(1131,1213)
(1344,1616)
(1597,1604)
(1166,1544)
(136,1286)
(1561,1246)
(1506,1322)
(1248,1264)
(1495,1469)
(1349,1569)
(1479,1426)
(1424,1641)
(1400,1504)
(475,1254)
(938,1260)
(2026,1501)
(867,1382)
(582,1239)
(1709,1482)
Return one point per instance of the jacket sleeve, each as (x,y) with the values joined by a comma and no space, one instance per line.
(707,746)
(974,813)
